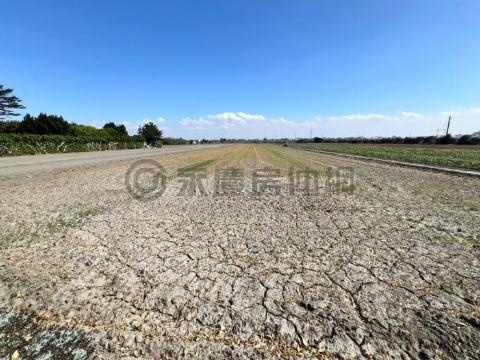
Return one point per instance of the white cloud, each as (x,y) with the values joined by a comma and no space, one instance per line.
(244,125)
(196,124)
(159,120)
(225,120)
(229,125)
(358,117)
(250,126)
(282,121)
(239,116)
(474,111)
(251,117)
(408,114)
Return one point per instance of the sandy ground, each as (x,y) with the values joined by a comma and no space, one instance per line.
(384,266)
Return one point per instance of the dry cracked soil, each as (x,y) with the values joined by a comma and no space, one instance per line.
(373,262)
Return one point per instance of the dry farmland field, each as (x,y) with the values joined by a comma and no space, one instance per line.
(374,261)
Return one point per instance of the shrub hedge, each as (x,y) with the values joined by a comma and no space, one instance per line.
(28,144)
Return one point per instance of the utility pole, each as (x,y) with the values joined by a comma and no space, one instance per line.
(448,126)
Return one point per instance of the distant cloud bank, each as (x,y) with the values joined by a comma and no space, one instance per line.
(251,126)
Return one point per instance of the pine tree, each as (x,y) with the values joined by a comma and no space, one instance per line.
(150,133)
(8,103)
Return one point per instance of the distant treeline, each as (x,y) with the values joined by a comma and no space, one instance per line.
(473,139)
(175,141)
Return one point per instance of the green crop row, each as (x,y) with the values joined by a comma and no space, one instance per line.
(455,158)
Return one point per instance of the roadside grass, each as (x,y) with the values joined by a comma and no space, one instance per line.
(468,159)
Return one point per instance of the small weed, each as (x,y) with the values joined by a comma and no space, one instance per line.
(72,220)
(349,188)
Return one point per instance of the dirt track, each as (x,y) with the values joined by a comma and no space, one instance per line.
(385,268)
(31,164)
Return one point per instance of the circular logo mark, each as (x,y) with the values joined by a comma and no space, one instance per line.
(146,180)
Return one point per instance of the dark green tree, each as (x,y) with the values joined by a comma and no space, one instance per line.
(150,133)
(116,130)
(9,127)
(447,139)
(9,103)
(45,124)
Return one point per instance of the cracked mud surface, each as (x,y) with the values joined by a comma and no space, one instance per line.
(390,270)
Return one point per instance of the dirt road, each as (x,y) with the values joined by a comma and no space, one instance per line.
(31,164)
(383,265)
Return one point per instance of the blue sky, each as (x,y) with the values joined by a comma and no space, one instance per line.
(248,68)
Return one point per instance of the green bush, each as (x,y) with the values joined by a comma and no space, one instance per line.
(24,144)
(58,139)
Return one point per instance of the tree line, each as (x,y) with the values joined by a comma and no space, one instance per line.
(44,124)
(469,139)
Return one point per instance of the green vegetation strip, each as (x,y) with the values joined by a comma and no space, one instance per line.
(467,159)
(28,144)
(287,159)
(189,169)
